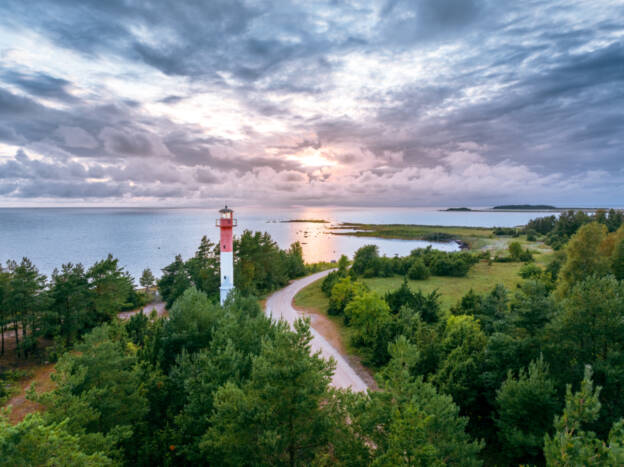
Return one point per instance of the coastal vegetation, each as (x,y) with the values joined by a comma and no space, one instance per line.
(260,267)
(521,359)
(474,237)
(499,356)
(215,385)
(72,302)
(527,207)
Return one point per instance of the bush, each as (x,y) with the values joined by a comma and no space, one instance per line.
(342,293)
(530,271)
(366,261)
(450,265)
(505,231)
(418,270)
(515,250)
(504,259)
(526,256)
(330,280)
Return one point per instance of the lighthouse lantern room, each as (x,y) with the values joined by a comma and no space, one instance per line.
(226,222)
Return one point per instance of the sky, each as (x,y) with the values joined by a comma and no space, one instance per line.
(311,103)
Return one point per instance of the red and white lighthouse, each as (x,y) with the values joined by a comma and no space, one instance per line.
(226,222)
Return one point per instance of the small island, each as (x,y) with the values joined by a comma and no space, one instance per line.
(309,221)
(525,207)
(464,209)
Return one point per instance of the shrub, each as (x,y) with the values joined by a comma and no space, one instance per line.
(330,280)
(366,261)
(515,250)
(342,293)
(418,270)
(529,271)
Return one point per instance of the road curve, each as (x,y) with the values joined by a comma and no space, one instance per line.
(279,305)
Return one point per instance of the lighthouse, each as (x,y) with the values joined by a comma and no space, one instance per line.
(226,222)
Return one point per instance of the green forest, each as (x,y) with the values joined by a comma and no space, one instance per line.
(530,376)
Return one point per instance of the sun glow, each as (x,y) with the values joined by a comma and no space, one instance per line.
(312,158)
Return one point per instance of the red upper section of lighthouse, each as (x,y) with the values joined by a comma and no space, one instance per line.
(225,223)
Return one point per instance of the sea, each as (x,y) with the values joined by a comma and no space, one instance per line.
(151,237)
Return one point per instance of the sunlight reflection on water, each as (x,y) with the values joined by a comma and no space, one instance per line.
(143,237)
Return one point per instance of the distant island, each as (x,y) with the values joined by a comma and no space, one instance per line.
(525,206)
(459,209)
(314,221)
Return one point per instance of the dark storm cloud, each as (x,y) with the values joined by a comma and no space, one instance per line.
(13,105)
(23,167)
(129,144)
(172,99)
(406,21)
(40,84)
(204,175)
(82,190)
(377,86)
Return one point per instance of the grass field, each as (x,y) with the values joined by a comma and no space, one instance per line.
(312,299)
(481,278)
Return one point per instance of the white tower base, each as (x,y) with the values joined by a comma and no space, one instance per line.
(227,275)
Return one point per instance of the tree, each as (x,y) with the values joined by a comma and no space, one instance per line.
(491,310)
(532,308)
(584,256)
(295,266)
(343,265)
(174,281)
(100,388)
(409,422)
(147,279)
(515,250)
(525,409)
(590,322)
(572,443)
(342,293)
(462,351)
(617,263)
(189,328)
(280,415)
(260,265)
(25,302)
(615,220)
(32,442)
(203,268)
(70,300)
(370,317)
(111,287)
(428,306)
(5,279)
(366,261)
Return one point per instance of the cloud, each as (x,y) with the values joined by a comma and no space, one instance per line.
(391,101)
(119,142)
(40,84)
(76,137)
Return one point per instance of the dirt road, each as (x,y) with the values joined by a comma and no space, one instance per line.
(159,306)
(279,305)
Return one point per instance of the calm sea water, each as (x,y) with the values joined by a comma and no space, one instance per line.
(143,237)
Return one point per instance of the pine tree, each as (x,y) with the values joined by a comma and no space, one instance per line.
(147,279)
(617,262)
(525,406)
(572,444)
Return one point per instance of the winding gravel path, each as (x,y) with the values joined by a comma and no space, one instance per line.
(279,305)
